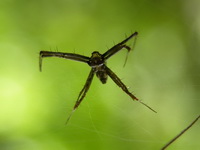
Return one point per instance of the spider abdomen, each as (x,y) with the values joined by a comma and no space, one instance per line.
(102,75)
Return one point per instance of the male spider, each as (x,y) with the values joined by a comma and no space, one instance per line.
(97,62)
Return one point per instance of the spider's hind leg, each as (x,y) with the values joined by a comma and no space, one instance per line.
(82,94)
(116,79)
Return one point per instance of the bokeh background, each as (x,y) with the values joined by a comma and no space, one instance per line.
(163,71)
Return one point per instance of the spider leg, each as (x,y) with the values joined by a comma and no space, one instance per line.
(118,47)
(71,56)
(129,50)
(116,79)
(85,89)
(82,93)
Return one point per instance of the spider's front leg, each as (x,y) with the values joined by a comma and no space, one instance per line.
(119,46)
(83,92)
(71,56)
(116,79)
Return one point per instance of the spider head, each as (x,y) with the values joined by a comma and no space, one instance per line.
(96,60)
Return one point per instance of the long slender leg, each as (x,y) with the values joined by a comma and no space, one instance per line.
(118,47)
(82,93)
(116,79)
(71,56)
(85,89)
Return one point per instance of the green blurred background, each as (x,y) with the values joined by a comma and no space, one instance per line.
(163,71)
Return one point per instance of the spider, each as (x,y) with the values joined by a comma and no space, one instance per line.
(97,62)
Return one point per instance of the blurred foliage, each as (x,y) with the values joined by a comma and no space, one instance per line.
(163,70)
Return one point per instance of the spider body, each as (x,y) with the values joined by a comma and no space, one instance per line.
(97,62)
